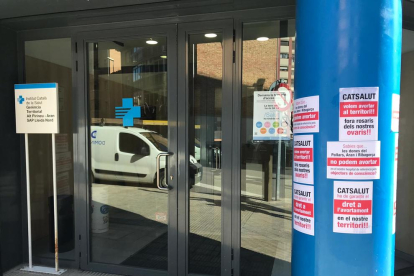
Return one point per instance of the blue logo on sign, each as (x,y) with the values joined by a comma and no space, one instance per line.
(259,124)
(93,134)
(104,209)
(271,130)
(127,112)
(20,99)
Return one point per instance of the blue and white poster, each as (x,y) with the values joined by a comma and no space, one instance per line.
(272,115)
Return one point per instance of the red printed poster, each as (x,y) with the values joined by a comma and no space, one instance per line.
(306,115)
(303,159)
(395,116)
(352,207)
(395,181)
(353,160)
(303,209)
(358,114)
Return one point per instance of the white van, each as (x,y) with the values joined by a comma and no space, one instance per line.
(129,155)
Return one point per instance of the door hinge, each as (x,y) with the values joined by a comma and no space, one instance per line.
(76,66)
(232,254)
(76,47)
(232,272)
(234,56)
(234,35)
(80,237)
(80,254)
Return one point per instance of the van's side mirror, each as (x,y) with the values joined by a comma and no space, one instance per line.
(144,151)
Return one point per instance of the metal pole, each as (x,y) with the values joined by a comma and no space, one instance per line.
(29,209)
(55,204)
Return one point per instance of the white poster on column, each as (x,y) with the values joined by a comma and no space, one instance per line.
(395,182)
(352,207)
(358,114)
(353,160)
(306,115)
(303,209)
(303,159)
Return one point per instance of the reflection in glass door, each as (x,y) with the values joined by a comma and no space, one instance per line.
(205,57)
(129,128)
(206,52)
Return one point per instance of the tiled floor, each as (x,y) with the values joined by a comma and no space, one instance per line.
(70,272)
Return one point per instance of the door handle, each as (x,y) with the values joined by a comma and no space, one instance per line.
(116,156)
(166,154)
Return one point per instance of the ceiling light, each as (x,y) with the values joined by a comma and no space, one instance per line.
(152,42)
(163,56)
(262,38)
(210,35)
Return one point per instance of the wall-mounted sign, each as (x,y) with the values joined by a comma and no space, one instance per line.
(37,108)
(358,114)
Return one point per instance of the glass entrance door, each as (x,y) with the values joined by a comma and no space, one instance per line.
(158,152)
(205,81)
(131,148)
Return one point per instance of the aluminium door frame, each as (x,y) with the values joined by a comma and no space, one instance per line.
(185,29)
(22,37)
(82,165)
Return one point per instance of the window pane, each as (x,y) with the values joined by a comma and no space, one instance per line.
(51,61)
(205,55)
(130,143)
(266,162)
(128,213)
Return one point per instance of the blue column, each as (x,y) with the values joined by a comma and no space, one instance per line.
(348,44)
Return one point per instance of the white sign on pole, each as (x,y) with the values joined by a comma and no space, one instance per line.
(37,111)
(37,108)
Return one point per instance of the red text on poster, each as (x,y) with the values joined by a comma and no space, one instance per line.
(358,114)
(353,160)
(306,115)
(303,209)
(352,212)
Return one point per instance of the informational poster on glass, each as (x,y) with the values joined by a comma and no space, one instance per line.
(272,115)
